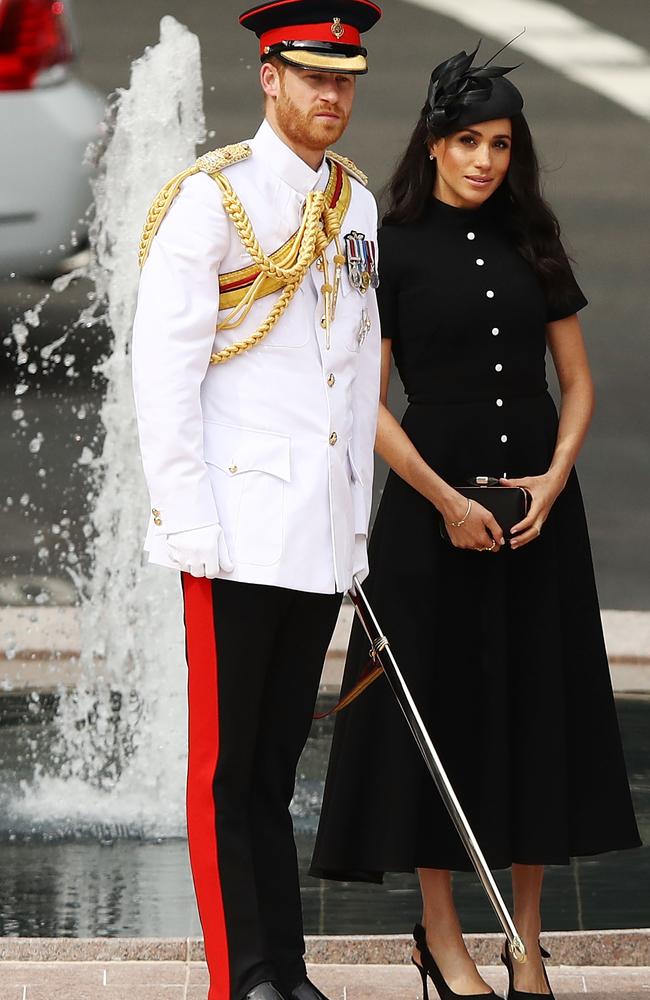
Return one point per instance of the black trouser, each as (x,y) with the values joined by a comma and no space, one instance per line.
(255,656)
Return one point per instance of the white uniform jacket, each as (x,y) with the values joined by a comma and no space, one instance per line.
(277,443)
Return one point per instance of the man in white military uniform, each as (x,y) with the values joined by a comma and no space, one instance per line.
(256,376)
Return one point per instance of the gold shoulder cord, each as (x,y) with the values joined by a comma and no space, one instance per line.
(349,166)
(317,230)
(209,163)
(320,225)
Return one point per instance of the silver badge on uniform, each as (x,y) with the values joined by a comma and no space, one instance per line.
(364,327)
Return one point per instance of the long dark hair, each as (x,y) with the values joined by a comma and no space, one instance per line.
(530,219)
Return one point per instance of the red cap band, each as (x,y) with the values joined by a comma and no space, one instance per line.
(331,31)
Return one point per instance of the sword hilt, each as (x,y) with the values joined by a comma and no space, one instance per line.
(378,644)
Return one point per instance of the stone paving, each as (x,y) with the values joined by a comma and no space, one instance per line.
(188,981)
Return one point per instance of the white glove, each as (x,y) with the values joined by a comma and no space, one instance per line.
(360,557)
(200,551)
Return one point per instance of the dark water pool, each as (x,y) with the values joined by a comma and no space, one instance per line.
(100,884)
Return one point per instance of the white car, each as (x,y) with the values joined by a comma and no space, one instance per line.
(47,118)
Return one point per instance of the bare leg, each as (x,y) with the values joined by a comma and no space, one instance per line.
(527,890)
(444,934)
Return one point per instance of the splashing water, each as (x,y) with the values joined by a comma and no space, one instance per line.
(119,754)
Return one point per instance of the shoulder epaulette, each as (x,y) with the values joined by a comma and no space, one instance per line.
(210,163)
(349,166)
(226,156)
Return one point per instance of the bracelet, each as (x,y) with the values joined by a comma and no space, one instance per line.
(459,524)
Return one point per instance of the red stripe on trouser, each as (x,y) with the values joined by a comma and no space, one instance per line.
(203,699)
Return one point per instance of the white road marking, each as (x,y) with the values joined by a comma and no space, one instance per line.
(104,977)
(556,37)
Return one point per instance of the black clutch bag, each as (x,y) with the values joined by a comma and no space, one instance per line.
(508,504)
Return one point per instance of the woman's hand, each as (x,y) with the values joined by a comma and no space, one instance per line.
(480,531)
(544,491)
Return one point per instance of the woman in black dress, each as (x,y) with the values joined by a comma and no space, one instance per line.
(499,639)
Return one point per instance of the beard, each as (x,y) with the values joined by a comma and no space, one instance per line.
(303,127)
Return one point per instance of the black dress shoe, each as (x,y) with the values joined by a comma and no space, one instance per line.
(306,991)
(265,991)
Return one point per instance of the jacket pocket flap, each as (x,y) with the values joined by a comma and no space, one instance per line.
(236,450)
(356,478)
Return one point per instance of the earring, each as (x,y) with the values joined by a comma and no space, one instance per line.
(431,156)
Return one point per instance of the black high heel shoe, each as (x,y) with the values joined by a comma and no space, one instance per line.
(429,970)
(514,994)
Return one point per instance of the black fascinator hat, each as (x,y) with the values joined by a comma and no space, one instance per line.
(461,94)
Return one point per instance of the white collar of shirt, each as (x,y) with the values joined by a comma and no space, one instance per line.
(286,164)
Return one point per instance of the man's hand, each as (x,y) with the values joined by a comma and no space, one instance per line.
(200,551)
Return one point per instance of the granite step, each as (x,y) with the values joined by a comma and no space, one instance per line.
(189,981)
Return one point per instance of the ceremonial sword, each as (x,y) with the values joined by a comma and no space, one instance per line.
(382,654)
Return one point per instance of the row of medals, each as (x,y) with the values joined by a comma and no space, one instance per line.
(361,260)
(362,270)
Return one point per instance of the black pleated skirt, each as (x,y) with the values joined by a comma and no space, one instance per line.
(506,660)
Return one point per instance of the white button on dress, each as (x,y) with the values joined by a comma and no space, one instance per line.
(504,438)
(471,236)
(495,331)
(480,261)
(499,402)
(498,368)
(490,294)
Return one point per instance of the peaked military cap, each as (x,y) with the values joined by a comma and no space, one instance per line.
(314,34)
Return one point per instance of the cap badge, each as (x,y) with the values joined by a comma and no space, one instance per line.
(337,28)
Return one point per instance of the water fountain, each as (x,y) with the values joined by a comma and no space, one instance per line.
(118,757)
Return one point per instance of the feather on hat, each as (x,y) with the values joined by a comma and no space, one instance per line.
(461,94)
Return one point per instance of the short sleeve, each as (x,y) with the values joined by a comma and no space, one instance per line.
(566,301)
(388,291)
